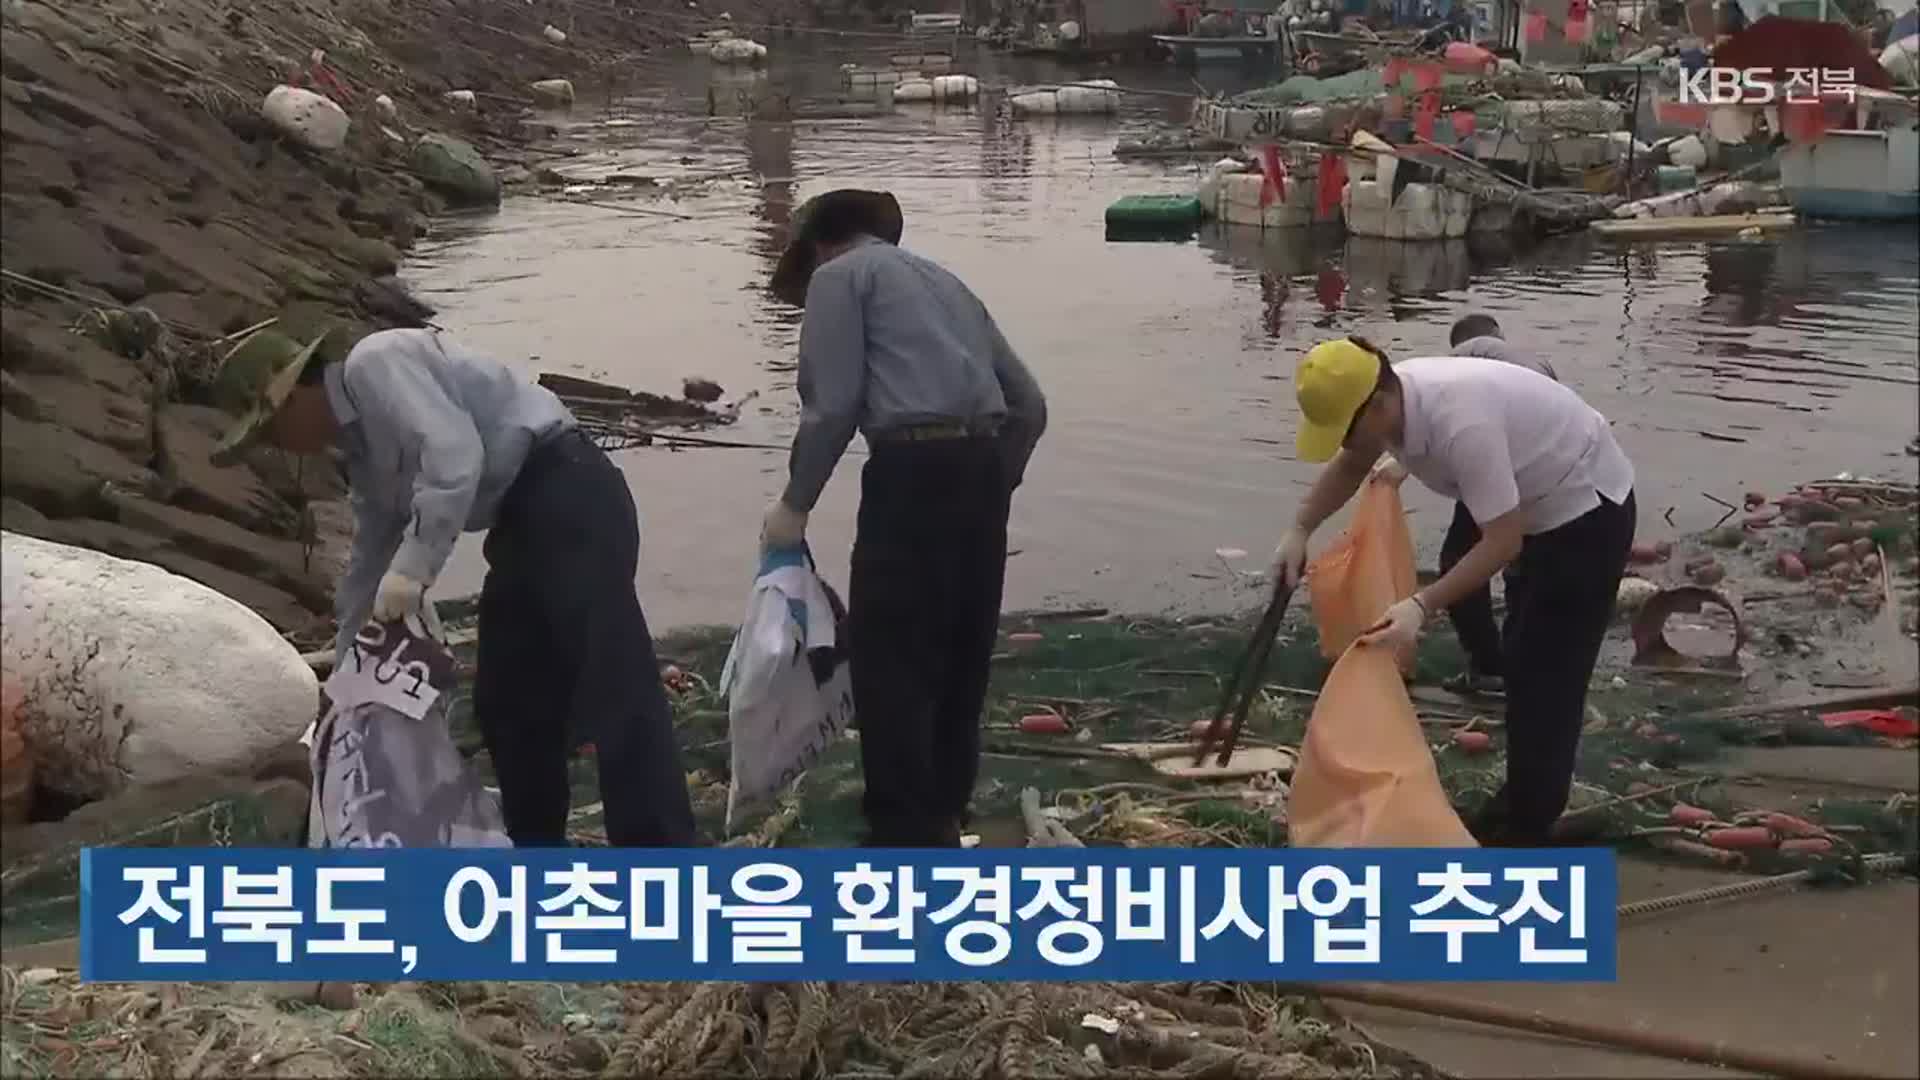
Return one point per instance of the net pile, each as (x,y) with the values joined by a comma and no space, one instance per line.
(56,1025)
(979,1030)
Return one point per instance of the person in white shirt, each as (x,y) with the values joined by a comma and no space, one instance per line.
(1472,615)
(1552,493)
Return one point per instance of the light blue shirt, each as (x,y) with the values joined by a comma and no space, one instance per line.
(892,339)
(433,435)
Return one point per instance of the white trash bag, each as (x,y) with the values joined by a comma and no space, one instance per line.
(385,770)
(789,692)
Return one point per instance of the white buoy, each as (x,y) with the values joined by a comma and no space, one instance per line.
(131,674)
(553,92)
(311,119)
(941,88)
(555,34)
(1092,98)
(460,99)
(738,51)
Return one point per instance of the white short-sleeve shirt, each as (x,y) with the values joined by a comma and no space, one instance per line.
(1498,436)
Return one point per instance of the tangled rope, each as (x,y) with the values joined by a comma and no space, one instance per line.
(984,1031)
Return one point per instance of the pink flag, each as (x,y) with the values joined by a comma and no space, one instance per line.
(1536,26)
(1463,123)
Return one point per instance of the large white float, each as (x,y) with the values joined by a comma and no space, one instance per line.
(1092,98)
(310,119)
(129,674)
(939,90)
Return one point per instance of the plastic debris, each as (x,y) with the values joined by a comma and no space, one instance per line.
(1106,1025)
(1651,648)
(1893,723)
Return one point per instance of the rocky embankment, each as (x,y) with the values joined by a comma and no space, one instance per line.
(152,217)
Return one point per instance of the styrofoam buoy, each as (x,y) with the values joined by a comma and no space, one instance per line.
(738,51)
(311,119)
(127,673)
(941,88)
(387,109)
(1688,150)
(1092,98)
(552,92)
(554,34)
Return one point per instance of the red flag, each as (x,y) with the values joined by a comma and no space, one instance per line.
(1428,76)
(1275,186)
(1330,287)
(1428,110)
(1332,182)
(1393,107)
(1576,31)
(1463,123)
(1423,123)
(1536,26)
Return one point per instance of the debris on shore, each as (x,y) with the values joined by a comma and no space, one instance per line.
(178,176)
(1116,692)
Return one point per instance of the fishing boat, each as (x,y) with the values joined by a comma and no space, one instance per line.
(1221,34)
(1188,49)
(1855,174)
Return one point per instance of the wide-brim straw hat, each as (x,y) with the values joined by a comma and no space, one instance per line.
(876,213)
(254,381)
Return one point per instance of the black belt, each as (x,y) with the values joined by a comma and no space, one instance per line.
(977,429)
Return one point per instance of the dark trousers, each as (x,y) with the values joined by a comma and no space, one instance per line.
(1559,606)
(929,562)
(1472,616)
(565,656)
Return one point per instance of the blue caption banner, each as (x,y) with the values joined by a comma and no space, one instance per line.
(735,914)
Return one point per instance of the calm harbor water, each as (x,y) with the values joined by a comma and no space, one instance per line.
(1725,366)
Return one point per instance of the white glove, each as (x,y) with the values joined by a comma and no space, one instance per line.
(1290,558)
(783,527)
(398,595)
(1389,471)
(1398,628)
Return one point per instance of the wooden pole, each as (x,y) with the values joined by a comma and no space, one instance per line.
(1675,1047)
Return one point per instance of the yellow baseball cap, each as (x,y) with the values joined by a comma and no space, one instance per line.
(1332,382)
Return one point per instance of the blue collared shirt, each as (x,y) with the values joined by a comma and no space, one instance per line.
(892,339)
(433,435)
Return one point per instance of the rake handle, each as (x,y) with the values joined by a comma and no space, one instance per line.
(1238,698)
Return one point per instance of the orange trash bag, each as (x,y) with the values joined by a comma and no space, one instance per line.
(1365,777)
(1370,566)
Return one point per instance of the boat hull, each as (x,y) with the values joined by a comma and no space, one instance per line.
(1856,175)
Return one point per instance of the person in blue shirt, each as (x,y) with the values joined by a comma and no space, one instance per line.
(895,347)
(438,440)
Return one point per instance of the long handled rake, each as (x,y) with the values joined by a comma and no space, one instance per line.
(1245,682)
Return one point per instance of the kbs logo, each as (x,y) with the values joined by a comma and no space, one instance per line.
(1753,86)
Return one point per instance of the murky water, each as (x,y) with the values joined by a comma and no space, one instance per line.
(1725,366)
